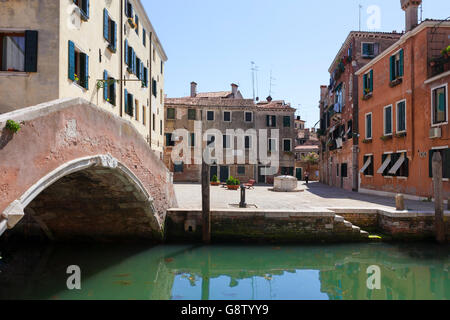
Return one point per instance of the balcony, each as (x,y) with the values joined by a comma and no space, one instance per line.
(439,65)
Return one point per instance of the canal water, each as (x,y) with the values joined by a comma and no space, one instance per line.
(194,272)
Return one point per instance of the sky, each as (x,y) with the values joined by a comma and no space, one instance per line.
(213,43)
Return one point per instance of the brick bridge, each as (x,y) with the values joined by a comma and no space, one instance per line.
(78,171)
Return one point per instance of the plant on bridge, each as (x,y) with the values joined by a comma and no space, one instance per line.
(12,126)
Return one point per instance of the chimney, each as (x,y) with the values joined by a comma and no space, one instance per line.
(193,89)
(234,90)
(411,13)
(269,99)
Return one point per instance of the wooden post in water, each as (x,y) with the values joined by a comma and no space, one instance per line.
(438,198)
(206,213)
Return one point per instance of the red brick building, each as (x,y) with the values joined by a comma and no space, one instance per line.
(339,107)
(403,111)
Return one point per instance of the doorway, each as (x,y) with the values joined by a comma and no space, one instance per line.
(299,174)
(224,173)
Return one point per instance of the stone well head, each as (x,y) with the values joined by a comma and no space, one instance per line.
(285,184)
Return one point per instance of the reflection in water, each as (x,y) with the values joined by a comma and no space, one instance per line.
(412,271)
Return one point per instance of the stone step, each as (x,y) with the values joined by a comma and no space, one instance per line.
(338,219)
(364,234)
(356,229)
(348,224)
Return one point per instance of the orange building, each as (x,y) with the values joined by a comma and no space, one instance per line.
(403,111)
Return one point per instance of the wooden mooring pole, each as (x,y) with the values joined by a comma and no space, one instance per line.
(206,211)
(439,223)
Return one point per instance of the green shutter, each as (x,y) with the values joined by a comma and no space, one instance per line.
(401,63)
(446,163)
(71,61)
(126,53)
(371,81)
(31,51)
(364,83)
(392,68)
(105,24)
(441,102)
(105,85)
(115,36)
(126,100)
(86,71)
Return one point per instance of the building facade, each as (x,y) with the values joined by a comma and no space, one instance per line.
(106,52)
(306,151)
(339,107)
(404,112)
(222,111)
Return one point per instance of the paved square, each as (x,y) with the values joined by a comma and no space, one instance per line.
(314,196)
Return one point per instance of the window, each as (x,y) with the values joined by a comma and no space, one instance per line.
(387,117)
(192,140)
(78,66)
(272,145)
(154,88)
(144,115)
(396,65)
(368,82)
(129,103)
(18,51)
(367,168)
(84,8)
(337,169)
(369,50)
(287,145)
(286,121)
(248,142)
(271,121)
(227,116)
(241,170)
(153,122)
(210,115)
(439,105)
(109,31)
(288,171)
(401,116)
(445,154)
(136,115)
(369,126)
(226,141)
(397,166)
(129,9)
(344,170)
(130,59)
(170,113)
(109,88)
(350,129)
(169,141)
(248,116)
(160,127)
(178,166)
(144,37)
(192,114)
(136,20)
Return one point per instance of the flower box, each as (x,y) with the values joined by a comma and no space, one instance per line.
(367,141)
(385,138)
(215,183)
(367,96)
(395,82)
(233,187)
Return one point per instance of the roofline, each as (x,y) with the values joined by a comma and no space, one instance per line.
(402,40)
(347,41)
(152,30)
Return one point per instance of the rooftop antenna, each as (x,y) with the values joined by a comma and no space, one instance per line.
(421,12)
(360,7)
(253,68)
(257,83)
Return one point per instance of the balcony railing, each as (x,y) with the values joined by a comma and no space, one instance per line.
(439,65)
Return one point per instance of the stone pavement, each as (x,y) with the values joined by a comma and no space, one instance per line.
(314,196)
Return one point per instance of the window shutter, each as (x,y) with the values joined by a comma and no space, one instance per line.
(141,71)
(86,71)
(441,102)
(371,81)
(113,98)
(71,61)
(392,66)
(401,63)
(126,53)
(134,61)
(105,85)
(115,36)
(126,100)
(274,121)
(131,106)
(364,83)
(31,51)
(85,7)
(105,24)
(446,163)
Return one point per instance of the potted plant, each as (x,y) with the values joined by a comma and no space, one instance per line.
(233,183)
(215,181)
(385,138)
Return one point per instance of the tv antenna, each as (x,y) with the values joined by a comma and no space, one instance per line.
(255,70)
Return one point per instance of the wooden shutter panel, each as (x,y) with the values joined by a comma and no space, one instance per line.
(71,61)
(113,98)
(86,71)
(131,105)
(115,36)
(401,63)
(364,83)
(126,100)
(126,52)
(371,81)
(391,68)
(105,24)
(105,85)
(86,7)
(267,120)
(31,51)
(274,121)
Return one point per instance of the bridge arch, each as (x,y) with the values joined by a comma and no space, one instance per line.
(82,172)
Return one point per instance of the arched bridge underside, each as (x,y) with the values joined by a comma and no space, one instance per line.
(80,173)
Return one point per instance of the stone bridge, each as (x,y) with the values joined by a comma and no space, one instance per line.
(80,172)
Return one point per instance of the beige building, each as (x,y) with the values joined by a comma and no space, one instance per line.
(104,51)
(222,111)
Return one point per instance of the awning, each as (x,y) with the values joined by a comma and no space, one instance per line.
(348,131)
(385,164)
(366,165)
(332,129)
(339,142)
(398,164)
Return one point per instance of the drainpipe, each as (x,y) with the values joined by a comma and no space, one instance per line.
(121,58)
(150,92)
(412,100)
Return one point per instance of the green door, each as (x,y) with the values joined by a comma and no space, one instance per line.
(298,173)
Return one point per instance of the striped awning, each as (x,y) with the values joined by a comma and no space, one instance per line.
(366,165)
(385,164)
(398,164)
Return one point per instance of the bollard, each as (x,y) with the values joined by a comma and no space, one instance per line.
(399,202)
(242,204)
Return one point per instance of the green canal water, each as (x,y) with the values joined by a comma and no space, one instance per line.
(194,272)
